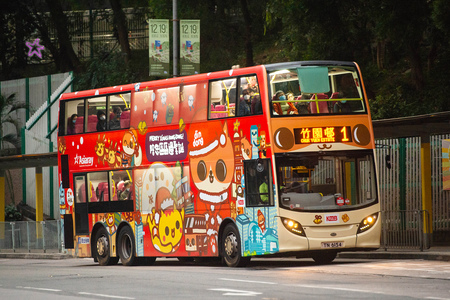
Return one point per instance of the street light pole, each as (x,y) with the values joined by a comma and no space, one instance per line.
(175,38)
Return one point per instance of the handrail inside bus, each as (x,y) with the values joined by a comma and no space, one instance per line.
(125,101)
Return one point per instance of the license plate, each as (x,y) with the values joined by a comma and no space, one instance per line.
(333,245)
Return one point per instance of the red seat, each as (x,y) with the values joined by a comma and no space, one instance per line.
(125,119)
(103,191)
(79,125)
(222,109)
(323,106)
(92,123)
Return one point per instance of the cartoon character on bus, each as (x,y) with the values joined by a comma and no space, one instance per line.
(131,149)
(166,227)
(212,169)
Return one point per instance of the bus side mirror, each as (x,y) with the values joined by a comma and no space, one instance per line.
(387,158)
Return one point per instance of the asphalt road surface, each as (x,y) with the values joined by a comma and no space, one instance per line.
(262,279)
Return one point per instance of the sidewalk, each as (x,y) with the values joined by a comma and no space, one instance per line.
(434,253)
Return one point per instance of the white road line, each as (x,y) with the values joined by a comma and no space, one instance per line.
(248,281)
(37,289)
(334,288)
(230,292)
(105,296)
(437,298)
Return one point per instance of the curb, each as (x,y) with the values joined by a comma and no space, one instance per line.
(55,256)
(390,255)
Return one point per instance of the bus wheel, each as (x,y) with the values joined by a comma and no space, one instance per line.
(231,248)
(126,246)
(324,257)
(102,250)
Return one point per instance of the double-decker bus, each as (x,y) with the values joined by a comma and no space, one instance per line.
(268,160)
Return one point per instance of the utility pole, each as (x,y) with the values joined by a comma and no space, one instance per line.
(175,38)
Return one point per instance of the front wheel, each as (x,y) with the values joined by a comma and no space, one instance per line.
(102,249)
(231,248)
(126,246)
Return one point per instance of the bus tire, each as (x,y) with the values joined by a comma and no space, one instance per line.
(231,248)
(126,246)
(324,257)
(102,248)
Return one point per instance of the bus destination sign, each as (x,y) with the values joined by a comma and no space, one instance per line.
(311,135)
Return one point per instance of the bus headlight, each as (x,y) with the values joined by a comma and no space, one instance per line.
(367,223)
(293,226)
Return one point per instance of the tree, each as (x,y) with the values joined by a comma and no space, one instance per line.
(9,105)
(120,26)
(68,60)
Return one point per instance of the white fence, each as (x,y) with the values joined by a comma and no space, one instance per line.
(401,186)
(39,92)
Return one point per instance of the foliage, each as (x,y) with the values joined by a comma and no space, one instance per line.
(12,213)
(9,105)
(402,46)
(106,69)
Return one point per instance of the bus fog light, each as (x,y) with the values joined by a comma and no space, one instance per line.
(367,223)
(293,226)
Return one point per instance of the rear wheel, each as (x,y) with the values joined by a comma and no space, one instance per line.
(324,257)
(231,247)
(126,246)
(102,248)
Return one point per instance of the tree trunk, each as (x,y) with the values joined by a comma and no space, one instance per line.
(381,50)
(120,24)
(20,42)
(416,66)
(66,50)
(248,34)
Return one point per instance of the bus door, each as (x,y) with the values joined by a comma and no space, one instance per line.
(259,218)
(81,205)
(350,185)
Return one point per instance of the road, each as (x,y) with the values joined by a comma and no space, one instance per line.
(262,279)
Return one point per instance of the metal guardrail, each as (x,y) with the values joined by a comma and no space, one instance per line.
(31,236)
(405,229)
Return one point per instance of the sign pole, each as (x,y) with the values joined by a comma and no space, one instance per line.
(175,38)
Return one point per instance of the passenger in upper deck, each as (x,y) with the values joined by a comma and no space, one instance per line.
(244,107)
(101,121)
(342,107)
(292,110)
(276,106)
(302,107)
(71,124)
(114,123)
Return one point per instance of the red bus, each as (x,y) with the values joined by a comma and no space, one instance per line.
(267,160)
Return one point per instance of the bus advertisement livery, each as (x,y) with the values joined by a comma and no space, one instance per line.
(271,160)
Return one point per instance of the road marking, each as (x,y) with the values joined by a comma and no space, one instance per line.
(437,298)
(105,296)
(230,292)
(248,281)
(37,289)
(334,288)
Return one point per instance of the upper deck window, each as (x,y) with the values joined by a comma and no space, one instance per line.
(95,114)
(316,90)
(237,96)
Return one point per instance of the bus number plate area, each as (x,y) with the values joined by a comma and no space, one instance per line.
(333,245)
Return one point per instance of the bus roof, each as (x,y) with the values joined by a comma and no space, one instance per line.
(287,65)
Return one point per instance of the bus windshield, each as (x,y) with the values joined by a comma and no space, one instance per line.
(323,182)
(306,90)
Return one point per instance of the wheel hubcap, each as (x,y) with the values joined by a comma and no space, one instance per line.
(102,245)
(231,245)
